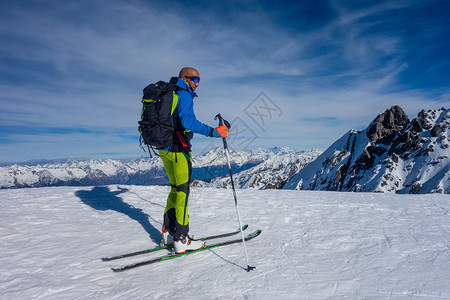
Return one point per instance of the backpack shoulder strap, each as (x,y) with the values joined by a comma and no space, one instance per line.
(174,81)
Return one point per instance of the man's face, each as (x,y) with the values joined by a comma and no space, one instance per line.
(190,79)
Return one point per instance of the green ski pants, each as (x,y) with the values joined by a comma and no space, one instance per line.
(178,166)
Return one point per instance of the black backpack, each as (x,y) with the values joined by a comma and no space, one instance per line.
(158,103)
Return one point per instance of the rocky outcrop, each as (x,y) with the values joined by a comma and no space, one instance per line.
(393,154)
(386,126)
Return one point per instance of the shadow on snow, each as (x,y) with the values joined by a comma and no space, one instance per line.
(102,198)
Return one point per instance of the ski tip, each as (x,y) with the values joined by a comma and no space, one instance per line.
(250,268)
(116,270)
(245,227)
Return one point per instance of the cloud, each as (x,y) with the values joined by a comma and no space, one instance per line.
(80,67)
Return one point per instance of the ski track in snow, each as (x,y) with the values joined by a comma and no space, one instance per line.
(314,245)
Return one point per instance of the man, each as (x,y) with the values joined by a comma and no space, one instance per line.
(177,161)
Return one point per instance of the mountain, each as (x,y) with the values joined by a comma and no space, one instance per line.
(275,167)
(82,173)
(276,164)
(393,154)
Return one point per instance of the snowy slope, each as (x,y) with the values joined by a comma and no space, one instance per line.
(314,245)
(393,154)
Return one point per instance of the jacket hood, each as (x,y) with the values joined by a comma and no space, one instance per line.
(182,84)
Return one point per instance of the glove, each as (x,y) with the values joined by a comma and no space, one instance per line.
(221,131)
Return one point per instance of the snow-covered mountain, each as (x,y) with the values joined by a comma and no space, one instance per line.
(266,167)
(85,172)
(277,166)
(393,154)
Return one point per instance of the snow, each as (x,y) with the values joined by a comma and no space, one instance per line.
(314,245)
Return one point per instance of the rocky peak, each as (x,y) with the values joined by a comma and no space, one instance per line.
(384,127)
(390,155)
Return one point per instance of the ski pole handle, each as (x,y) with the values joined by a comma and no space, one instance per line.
(218,116)
(222,121)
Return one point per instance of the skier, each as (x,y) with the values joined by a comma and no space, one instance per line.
(177,161)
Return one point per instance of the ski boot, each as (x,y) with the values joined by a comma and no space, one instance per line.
(167,237)
(186,243)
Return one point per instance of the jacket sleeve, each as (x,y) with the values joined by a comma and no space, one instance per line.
(187,117)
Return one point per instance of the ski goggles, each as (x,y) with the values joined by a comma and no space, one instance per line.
(194,79)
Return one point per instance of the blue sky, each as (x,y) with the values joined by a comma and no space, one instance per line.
(286,73)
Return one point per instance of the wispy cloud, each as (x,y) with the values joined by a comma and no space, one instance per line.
(79,67)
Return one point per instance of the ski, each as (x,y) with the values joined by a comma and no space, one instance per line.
(172,256)
(170,246)
(218,236)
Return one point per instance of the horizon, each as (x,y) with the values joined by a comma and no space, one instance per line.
(37,161)
(297,75)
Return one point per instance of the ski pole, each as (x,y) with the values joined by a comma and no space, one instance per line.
(222,121)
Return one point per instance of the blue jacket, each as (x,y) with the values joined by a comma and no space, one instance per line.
(185,110)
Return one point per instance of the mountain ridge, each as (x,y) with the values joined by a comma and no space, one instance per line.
(141,171)
(393,154)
